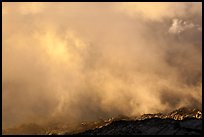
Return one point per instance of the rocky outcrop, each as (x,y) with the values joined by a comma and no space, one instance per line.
(152,126)
(184,121)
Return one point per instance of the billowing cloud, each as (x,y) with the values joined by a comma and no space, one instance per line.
(158,11)
(70,62)
(179,26)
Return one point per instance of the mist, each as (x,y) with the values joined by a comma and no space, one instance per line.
(86,61)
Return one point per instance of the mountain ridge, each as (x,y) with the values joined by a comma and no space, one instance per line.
(180,121)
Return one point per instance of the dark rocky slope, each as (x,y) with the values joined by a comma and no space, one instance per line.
(152,126)
(184,121)
(179,122)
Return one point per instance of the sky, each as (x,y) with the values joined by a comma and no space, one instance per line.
(86,61)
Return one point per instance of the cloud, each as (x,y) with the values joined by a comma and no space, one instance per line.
(70,62)
(158,11)
(25,8)
(178,26)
